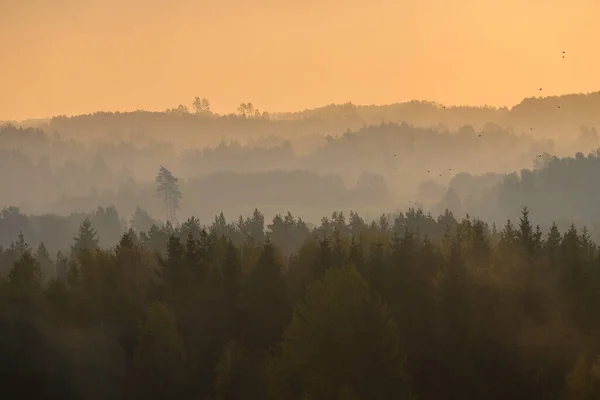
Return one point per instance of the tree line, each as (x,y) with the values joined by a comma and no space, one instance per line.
(403,307)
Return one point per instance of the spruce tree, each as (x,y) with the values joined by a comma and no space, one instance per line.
(87,238)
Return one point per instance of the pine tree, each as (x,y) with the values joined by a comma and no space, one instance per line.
(43,258)
(61,266)
(231,270)
(375,267)
(341,343)
(255,226)
(159,359)
(525,234)
(20,246)
(480,248)
(324,259)
(26,286)
(167,187)
(355,254)
(570,249)
(87,239)
(128,241)
(173,271)
(338,253)
(508,234)
(538,238)
(587,245)
(266,304)
(553,239)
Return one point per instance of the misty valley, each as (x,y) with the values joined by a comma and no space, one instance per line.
(405,251)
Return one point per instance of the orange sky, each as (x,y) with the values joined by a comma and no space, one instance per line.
(79,56)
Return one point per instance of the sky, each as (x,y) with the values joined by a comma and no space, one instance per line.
(66,57)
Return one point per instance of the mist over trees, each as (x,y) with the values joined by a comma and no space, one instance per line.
(370,159)
(406,251)
(408,305)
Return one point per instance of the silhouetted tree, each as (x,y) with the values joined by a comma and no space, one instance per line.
(87,238)
(201,105)
(167,187)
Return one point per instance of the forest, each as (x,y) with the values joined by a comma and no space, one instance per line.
(370,159)
(408,251)
(299,200)
(407,306)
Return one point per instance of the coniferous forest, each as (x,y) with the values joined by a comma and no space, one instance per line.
(405,307)
(284,200)
(462,261)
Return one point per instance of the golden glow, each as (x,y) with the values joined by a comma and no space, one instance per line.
(79,56)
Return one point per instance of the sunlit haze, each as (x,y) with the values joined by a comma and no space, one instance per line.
(317,199)
(71,57)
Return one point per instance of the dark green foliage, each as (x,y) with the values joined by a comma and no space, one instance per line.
(265,302)
(324,259)
(238,375)
(47,267)
(158,361)
(438,308)
(87,239)
(341,339)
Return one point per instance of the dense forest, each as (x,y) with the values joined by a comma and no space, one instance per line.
(458,258)
(299,200)
(407,306)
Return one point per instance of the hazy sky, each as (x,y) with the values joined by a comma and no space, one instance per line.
(79,56)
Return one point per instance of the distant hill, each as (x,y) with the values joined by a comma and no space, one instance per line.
(550,116)
(556,117)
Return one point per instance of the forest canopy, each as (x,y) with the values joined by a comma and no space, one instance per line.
(408,251)
(394,308)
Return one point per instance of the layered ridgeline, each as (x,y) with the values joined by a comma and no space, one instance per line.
(372,160)
(403,307)
(198,122)
(45,176)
